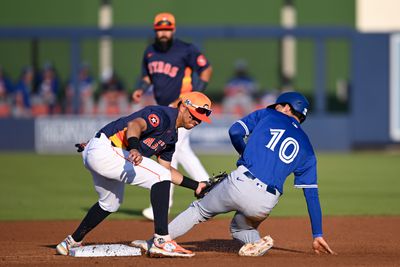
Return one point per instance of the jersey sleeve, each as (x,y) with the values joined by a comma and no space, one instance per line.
(196,60)
(250,121)
(167,153)
(145,70)
(155,120)
(305,176)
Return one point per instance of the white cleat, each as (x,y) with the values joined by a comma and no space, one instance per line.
(148,213)
(257,248)
(68,243)
(144,245)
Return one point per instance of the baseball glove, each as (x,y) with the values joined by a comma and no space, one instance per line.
(211,183)
(80,147)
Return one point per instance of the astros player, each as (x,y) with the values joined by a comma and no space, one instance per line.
(275,148)
(169,65)
(120,154)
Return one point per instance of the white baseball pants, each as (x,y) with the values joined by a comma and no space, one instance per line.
(185,156)
(111,170)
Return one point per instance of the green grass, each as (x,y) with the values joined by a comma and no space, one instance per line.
(38,187)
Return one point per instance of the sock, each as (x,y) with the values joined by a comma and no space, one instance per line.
(159,197)
(94,216)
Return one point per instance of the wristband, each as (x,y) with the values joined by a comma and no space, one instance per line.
(145,86)
(189,183)
(133,143)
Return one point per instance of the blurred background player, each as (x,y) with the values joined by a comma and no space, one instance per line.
(113,96)
(240,90)
(86,88)
(47,90)
(6,94)
(22,94)
(168,65)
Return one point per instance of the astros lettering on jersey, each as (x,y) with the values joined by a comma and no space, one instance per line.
(158,139)
(172,70)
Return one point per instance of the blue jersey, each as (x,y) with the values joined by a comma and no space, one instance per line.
(277,147)
(158,139)
(171,72)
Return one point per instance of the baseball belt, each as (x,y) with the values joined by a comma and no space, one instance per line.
(98,134)
(269,188)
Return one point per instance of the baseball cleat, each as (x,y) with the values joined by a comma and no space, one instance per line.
(161,248)
(148,213)
(144,245)
(68,243)
(257,248)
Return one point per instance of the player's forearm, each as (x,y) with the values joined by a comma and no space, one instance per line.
(206,74)
(314,210)
(202,83)
(181,180)
(135,128)
(144,84)
(237,134)
(176,177)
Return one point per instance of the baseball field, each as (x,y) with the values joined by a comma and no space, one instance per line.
(45,196)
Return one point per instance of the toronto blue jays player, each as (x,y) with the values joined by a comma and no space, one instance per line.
(170,67)
(271,145)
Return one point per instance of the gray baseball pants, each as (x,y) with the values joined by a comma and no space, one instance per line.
(248,197)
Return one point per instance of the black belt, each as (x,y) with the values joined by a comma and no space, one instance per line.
(98,134)
(271,189)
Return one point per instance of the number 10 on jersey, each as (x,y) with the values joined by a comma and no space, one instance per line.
(286,143)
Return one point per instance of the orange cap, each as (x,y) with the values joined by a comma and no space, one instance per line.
(199,105)
(164,21)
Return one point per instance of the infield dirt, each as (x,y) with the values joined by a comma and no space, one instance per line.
(359,241)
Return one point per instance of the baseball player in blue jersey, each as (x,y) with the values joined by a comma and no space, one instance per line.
(119,154)
(276,147)
(168,66)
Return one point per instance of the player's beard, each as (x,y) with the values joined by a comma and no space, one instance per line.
(163,44)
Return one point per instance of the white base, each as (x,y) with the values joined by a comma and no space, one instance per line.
(104,250)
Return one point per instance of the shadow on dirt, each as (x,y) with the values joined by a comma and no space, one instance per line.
(224,246)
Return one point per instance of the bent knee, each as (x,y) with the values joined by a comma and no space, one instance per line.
(110,206)
(203,214)
(164,175)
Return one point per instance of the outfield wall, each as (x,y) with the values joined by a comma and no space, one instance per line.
(59,134)
(373,103)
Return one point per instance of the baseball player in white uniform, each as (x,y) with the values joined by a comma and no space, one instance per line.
(168,65)
(119,154)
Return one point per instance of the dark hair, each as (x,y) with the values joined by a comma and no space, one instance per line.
(299,115)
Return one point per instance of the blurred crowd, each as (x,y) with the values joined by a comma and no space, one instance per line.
(43,93)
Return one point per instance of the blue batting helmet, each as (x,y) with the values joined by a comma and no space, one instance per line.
(297,102)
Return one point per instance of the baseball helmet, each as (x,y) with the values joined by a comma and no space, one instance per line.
(297,102)
(198,104)
(164,21)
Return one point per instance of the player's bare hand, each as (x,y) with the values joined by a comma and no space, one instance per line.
(200,188)
(135,157)
(320,245)
(137,95)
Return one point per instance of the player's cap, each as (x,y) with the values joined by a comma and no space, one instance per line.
(297,102)
(164,21)
(199,105)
